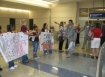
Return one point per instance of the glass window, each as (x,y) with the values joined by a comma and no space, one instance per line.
(97,10)
(83,12)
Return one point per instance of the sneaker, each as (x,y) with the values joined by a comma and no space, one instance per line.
(96,57)
(36,57)
(45,53)
(15,66)
(92,57)
(11,68)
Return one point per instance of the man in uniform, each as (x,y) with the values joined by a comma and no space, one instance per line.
(71,34)
(86,28)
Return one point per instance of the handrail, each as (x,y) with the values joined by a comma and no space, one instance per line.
(100,62)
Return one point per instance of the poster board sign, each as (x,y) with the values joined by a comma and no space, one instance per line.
(13,45)
(46,41)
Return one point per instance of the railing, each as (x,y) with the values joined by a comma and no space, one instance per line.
(101,62)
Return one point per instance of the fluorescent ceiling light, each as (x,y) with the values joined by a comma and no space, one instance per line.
(12,9)
(33,2)
(51,0)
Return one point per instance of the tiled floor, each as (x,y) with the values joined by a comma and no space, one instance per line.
(54,65)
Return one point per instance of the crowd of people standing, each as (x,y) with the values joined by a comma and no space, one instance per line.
(94,35)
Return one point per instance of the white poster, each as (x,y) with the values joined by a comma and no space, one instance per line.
(13,45)
(46,41)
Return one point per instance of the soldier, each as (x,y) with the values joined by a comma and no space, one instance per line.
(86,28)
(71,34)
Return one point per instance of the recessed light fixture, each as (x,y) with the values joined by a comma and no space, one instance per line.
(13,9)
(41,3)
(84,76)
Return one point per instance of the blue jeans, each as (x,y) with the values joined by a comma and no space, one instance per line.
(24,58)
(50,51)
(11,64)
(35,46)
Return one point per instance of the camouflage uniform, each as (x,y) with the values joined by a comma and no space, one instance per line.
(71,34)
(86,28)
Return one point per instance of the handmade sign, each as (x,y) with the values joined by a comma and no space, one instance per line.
(13,45)
(46,41)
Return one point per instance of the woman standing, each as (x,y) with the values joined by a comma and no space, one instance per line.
(25,31)
(96,34)
(35,41)
(61,34)
(45,29)
(78,34)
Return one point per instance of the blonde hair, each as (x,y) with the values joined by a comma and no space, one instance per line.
(23,21)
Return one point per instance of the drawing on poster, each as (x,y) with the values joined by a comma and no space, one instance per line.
(46,42)
(13,45)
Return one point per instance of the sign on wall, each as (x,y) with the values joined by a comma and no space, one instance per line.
(97,15)
(46,41)
(13,45)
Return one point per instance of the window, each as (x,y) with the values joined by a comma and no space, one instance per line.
(97,10)
(83,12)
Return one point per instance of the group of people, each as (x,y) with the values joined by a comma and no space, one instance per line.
(70,33)
(34,39)
(94,35)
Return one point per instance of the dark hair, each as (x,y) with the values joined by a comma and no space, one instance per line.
(61,23)
(0,27)
(9,27)
(44,25)
(71,21)
(103,22)
(34,27)
(97,25)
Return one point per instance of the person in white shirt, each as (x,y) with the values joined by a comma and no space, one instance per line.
(61,35)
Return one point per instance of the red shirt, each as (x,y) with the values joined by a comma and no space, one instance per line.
(24,28)
(97,32)
(78,28)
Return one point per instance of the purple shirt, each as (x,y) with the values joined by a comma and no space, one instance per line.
(24,29)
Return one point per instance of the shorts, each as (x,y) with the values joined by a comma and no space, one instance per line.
(95,43)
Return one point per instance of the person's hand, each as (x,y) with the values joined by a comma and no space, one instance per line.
(33,31)
(55,22)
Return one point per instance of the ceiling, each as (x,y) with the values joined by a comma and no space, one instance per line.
(17,5)
(60,1)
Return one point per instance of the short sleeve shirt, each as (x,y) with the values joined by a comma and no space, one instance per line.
(24,29)
(97,32)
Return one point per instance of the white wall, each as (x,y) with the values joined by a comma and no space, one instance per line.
(40,17)
(63,12)
(5,15)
